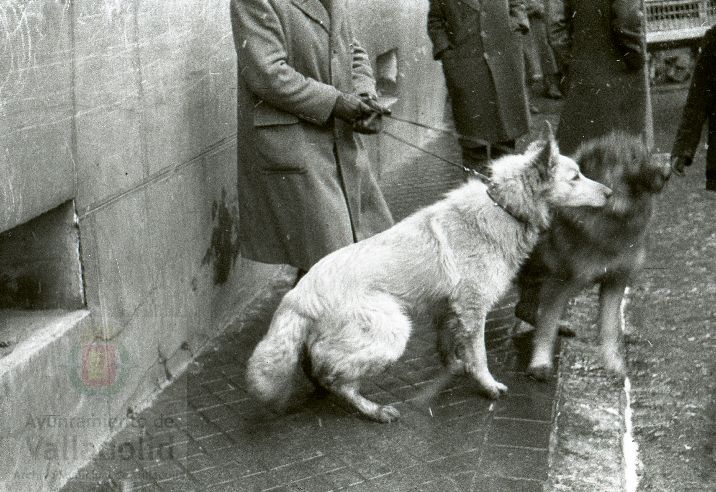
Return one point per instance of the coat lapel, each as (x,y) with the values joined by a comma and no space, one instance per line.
(315,11)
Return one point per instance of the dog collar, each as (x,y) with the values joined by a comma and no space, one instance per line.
(511,211)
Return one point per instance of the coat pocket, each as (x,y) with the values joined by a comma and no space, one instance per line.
(277,140)
(265,115)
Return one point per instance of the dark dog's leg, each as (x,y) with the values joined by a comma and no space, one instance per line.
(611,293)
(529,281)
(553,300)
(447,326)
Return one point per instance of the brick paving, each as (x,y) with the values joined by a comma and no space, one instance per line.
(205,432)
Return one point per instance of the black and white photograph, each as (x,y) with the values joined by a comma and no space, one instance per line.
(357,245)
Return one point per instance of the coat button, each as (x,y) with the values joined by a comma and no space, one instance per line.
(483,34)
(486,56)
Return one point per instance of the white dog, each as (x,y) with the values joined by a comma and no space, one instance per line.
(350,316)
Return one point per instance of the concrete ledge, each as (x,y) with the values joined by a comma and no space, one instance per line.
(42,406)
(55,415)
(26,333)
(587,442)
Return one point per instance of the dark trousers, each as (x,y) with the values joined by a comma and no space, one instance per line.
(299,275)
(477,157)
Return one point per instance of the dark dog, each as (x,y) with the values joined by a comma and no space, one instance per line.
(585,246)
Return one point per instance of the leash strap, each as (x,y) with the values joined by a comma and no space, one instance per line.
(490,185)
(468,138)
(479,175)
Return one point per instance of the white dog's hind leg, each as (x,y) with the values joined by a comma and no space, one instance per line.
(349,391)
(361,340)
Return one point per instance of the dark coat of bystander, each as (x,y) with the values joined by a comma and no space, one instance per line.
(700,107)
(478,42)
(601,46)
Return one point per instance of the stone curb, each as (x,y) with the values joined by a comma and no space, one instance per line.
(590,446)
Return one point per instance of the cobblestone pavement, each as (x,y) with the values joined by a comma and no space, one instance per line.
(205,432)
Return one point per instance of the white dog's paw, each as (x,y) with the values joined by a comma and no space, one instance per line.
(493,389)
(540,371)
(386,413)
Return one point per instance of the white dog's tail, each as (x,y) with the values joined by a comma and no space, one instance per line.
(272,369)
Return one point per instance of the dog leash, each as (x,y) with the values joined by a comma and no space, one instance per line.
(485,179)
(489,146)
(468,170)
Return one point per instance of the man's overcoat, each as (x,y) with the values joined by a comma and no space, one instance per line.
(304,180)
(481,54)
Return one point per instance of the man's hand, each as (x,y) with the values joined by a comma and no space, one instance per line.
(351,108)
(678,162)
(374,105)
(370,125)
(373,123)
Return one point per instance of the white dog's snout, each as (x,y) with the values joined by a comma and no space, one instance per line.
(603,192)
(591,193)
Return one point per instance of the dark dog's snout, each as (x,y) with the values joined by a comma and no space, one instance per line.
(666,171)
(661,177)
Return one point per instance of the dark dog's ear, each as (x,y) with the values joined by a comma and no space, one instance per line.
(548,153)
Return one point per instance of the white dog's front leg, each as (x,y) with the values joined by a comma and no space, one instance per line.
(472,337)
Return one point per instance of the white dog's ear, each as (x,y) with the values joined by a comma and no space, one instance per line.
(548,136)
(548,153)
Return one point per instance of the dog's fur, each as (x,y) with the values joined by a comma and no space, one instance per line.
(350,316)
(585,246)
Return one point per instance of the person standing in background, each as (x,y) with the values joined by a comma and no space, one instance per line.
(601,47)
(540,52)
(305,87)
(700,108)
(479,45)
